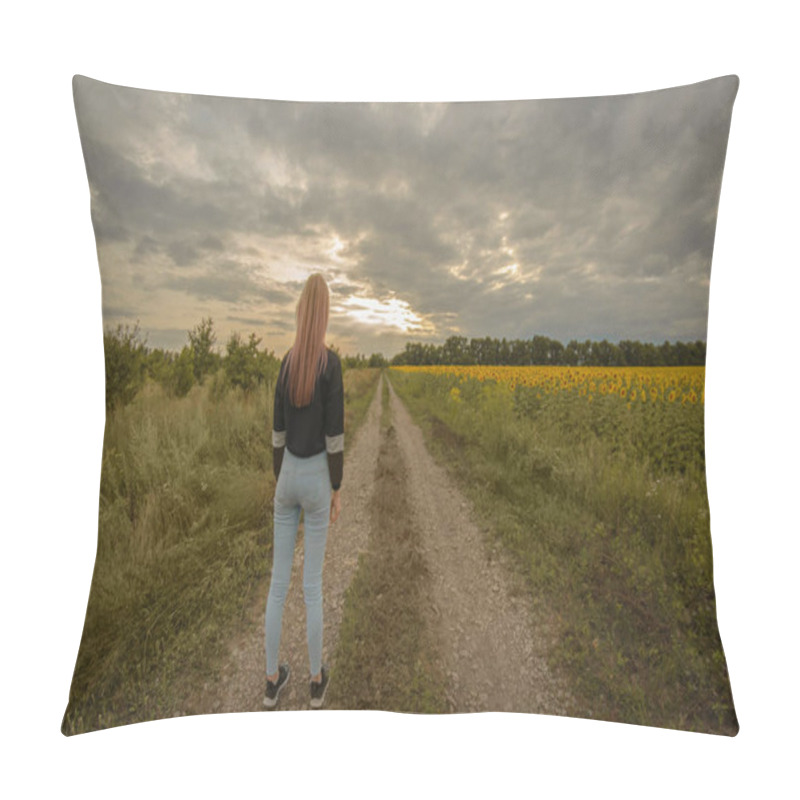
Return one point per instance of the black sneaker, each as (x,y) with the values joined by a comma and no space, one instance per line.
(318,689)
(274,689)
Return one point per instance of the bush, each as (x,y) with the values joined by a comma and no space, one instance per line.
(125,361)
(183,374)
(246,366)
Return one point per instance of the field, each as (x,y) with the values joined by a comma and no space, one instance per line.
(595,480)
(184,545)
(631,384)
(591,480)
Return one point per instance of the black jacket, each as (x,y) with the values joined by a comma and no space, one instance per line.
(316,427)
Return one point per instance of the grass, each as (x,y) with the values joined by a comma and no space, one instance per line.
(184,546)
(385,657)
(612,530)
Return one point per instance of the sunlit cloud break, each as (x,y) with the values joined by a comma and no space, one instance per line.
(393,313)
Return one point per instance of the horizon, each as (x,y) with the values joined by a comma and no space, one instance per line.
(219,346)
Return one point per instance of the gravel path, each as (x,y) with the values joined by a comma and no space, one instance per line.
(243,679)
(492,645)
(491,641)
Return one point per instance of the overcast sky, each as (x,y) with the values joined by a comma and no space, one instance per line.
(578,218)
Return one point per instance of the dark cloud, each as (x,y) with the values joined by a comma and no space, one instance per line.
(182,253)
(119,312)
(576,218)
(253,322)
(166,338)
(279,327)
(145,247)
(226,280)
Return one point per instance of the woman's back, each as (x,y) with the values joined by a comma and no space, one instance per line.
(305,431)
(319,425)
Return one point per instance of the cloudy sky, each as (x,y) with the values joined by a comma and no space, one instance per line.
(577,218)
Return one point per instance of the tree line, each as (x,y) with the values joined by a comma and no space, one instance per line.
(130,362)
(543,351)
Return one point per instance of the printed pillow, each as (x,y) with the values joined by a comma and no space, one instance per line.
(518,299)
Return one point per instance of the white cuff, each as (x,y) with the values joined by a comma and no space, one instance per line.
(334,444)
(278,438)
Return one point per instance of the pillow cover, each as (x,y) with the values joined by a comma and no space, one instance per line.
(518,298)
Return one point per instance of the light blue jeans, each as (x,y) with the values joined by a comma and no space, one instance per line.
(303,483)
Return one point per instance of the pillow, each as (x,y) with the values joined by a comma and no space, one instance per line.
(517,299)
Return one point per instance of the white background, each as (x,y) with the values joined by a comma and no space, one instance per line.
(53,385)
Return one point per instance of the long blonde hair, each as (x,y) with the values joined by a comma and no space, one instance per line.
(308,356)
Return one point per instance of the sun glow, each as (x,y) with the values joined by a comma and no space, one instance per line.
(391,313)
(336,248)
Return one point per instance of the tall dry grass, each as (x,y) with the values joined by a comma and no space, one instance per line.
(184,543)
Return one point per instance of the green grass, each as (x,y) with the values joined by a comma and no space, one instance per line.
(385,657)
(605,509)
(386,411)
(184,545)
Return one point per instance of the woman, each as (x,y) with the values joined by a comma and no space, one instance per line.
(308,454)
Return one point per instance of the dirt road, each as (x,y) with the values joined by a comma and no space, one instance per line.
(490,643)
(243,680)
